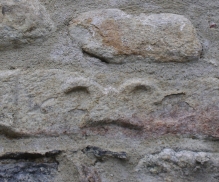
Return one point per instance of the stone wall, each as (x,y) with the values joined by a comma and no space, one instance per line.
(109,90)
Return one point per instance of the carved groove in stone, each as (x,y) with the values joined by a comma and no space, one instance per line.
(92,87)
(135,84)
(131,123)
(78,83)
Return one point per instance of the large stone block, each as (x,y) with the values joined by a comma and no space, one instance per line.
(23,21)
(111,35)
(54,102)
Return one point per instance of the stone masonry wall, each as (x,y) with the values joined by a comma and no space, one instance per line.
(109,91)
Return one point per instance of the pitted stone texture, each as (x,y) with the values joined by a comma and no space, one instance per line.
(111,35)
(23,21)
(181,166)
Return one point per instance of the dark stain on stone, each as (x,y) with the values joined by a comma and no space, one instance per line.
(216,177)
(29,156)
(28,171)
(100,153)
(6,9)
(32,167)
(10,132)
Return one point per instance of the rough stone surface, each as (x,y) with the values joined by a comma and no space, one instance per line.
(23,21)
(68,113)
(27,167)
(112,35)
(181,166)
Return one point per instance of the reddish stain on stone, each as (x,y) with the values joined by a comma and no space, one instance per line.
(203,123)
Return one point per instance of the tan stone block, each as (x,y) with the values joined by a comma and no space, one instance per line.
(112,35)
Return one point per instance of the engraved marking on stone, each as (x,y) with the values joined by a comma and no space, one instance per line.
(131,123)
(93,87)
(135,84)
(170,95)
(77,83)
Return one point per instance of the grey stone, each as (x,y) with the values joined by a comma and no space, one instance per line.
(23,21)
(181,166)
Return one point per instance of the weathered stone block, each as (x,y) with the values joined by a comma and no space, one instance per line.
(53,102)
(111,35)
(23,22)
(182,165)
